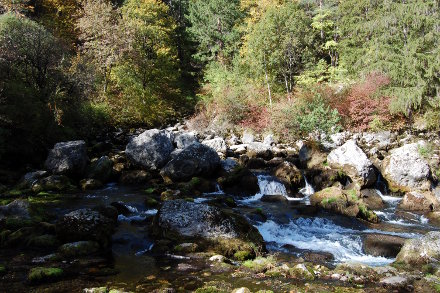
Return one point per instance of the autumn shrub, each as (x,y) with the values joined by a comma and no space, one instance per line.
(308,112)
(362,107)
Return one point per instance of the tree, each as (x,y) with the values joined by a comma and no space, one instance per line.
(32,86)
(399,39)
(279,46)
(102,42)
(214,27)
(147,70)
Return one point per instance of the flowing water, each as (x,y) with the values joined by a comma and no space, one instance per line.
(293,223)
(322,232)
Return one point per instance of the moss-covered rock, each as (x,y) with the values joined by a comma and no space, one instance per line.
(43,241)
(79,248)
(345,202)
(290,175)
(53,183)
(41,274)
(211,228)
(418,252)
(241,181)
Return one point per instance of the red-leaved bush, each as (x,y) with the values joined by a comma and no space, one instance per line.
(257,118)
(361,105)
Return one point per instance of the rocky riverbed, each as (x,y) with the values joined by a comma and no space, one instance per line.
(173,210)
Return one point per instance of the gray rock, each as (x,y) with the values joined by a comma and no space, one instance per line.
(218,144)
(229,164)
(52,183)
(88,224)
(101,169)
(405,169)
(421,251)
(90,184)
(195,160)
(151,149)
(269,139)
(68,158)
(383,245)
(185,139)
(259,149)
(354,162)
(31,177)
(239,149)
(247,137)
(179,218)
(394,281)
(79,248)
(19,208)
(419,201)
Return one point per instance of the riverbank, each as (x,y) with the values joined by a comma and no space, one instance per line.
(176,209)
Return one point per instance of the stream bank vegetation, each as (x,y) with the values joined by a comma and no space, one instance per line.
(72,68)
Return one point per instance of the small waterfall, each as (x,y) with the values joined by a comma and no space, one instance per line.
(320,234)
(269,186)
(308,190)
(391,200)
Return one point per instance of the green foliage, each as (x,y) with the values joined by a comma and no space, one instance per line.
(316,116)
(399,39)
(279,46)
(213,27)
(40,274)
(426,150)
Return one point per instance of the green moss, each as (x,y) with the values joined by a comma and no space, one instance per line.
(150,190)
(44,241)
(366,214)
(242,255)
(151,202)
(15,192)
(5,201)
(328,201)
(2,270)
(44,197)
(17,223)
(40,274)
(230,202)
(352,194)
(209,289)
(260,264)
(426,150)
(190,199)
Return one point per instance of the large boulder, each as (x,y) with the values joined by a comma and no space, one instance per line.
(19,208)
(383,245)
(88,224)
(372,199)
(419,201)
(218,144)
(30,178)
(259,150)
(195,160)
(183,221)
(353,161)
(185,139)
(151,149)
(405,169)
(240,181)
(68,158)
(421,251)
(53,183)
(345,202)
(290,175)
(101,169)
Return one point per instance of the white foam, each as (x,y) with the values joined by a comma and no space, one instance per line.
(137,217)
(320,234)
(392,200)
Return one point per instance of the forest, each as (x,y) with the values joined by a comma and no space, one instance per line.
(74,68)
